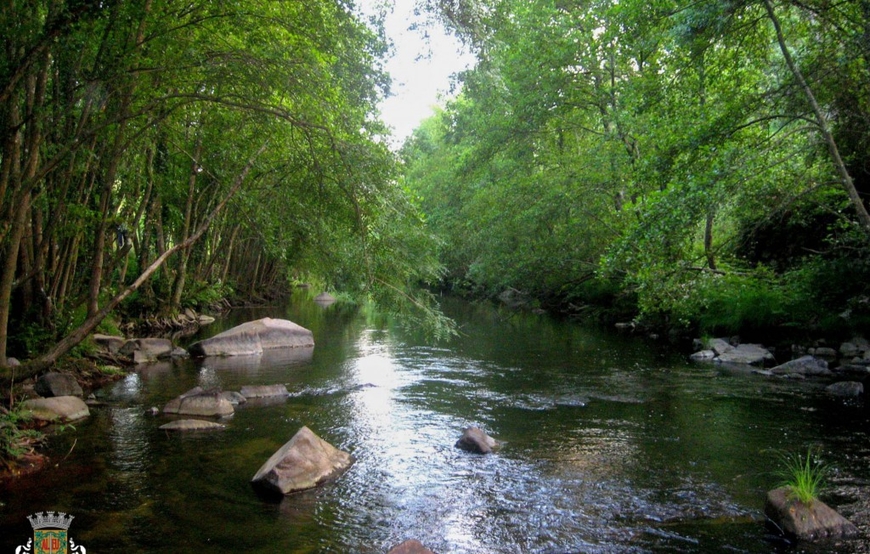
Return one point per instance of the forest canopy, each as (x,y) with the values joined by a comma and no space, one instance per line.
(157,155)
(698,165)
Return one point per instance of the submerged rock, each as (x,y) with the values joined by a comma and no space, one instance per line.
(254,337)
(410,546)
(304,462)
(264,391)
(191,425)
(57,408)
(57,384)
(475,440)
(806,522)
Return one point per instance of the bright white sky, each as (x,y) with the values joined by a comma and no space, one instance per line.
(420,69)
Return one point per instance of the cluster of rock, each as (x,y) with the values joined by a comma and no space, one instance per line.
(137,351)
(183,321)
(853,358)
(61,399)
(792,517)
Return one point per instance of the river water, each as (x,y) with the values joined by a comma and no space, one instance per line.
(609,444)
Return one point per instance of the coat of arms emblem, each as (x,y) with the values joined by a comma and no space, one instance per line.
(50,535)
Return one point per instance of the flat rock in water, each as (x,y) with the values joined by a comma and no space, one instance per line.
(848,389)
(304,462)
(234,397)
(747,354)
(719,346)
(57,384)
(411,546)
(254,337)
(805,365)
(264,391)
(57,408)
(475,440)
(324,298)
(806,522)
(703,356)
(205,404)
(192,425)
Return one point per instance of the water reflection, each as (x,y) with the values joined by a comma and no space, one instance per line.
(608,445)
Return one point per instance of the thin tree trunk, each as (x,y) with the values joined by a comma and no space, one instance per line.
(822,122)
(10,374)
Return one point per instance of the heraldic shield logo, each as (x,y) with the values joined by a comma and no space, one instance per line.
(50,535)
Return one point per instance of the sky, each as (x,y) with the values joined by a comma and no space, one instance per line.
(420,70)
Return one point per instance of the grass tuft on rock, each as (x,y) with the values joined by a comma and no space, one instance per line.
(804,475)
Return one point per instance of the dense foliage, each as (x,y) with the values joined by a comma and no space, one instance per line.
(701,163)
(157,154)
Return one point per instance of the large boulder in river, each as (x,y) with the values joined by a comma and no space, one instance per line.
(197,402)
(254,337)
(57,384)
(57,408)
(805,365)
(806,521)
(475,440)
(304,462)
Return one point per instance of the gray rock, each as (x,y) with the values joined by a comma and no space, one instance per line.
(824,352)
(205,319)
(805,365)
(848,389)
(57,408)
(234,397)
(57,384)
(324,298)
(806,522)
(205,404)
(719,346)
(192,425)
(108,344)
(475,440)
(849,349)
(179,353)
(147,350)
(264,391)
(12,362)
(410,546)
(748,354)
(190,314)
(703,356)
(254,337)
(304,462)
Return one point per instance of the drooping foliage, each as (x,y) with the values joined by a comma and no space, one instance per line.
(157,153)
(661,148)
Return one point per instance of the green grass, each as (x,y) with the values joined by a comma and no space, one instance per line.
(804,475)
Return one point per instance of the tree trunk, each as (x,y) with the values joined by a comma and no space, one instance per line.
(10,374)
(822,122)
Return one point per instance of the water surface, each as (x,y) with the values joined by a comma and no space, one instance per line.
(609,444)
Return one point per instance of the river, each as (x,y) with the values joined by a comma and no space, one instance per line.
(609,443)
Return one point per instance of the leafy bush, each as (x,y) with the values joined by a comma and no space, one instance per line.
(15,440)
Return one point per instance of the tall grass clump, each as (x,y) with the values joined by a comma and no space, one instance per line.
(804,475)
